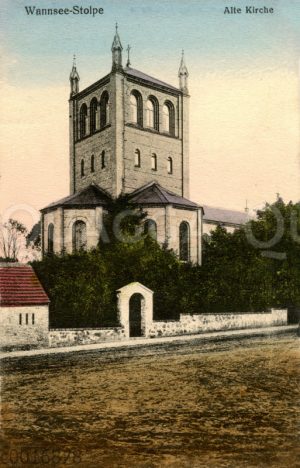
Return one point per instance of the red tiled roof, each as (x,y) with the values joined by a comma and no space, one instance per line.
(19,286)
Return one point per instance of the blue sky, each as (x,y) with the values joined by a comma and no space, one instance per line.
(153,28)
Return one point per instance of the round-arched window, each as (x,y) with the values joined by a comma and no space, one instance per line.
(82,120)
(79,236)
(92,163)
(150,228)
(170,165)
(184,241)
(50,238)
(166,119)
(150,114)
(137,158)
(153,162)
(103,162)
(104,109)
(133,108)
(93,115)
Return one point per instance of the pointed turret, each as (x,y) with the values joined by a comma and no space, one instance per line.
(183,75)
(116,49)
(74,78)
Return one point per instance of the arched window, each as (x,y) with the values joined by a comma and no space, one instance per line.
(168,118)
(93,115)
(153,162)
(82,168)
(136,108)
(152,113)
(103,162)
(133,108)
(50,238)
(104,109)
(184,241)
(82,120)
(79,236)
(170,165)
(92,163)
(150,228)
(137,158)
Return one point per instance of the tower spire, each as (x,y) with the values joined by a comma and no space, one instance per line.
(183,75)
(116,50)
(74,78)
(128,59)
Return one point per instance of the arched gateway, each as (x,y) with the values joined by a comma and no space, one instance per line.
(135,305)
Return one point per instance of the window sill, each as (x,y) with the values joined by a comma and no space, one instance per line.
(94,133)
(135,125)
(150,130)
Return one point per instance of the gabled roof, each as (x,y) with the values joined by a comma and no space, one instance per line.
(142,76)
(90,196)
(220,215)
(134,285)
(155,194)
(19,286)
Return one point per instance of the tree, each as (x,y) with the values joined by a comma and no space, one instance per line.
(122,223)
(236,275)
(12,239)
(276,234)
(33,243)
(253,268)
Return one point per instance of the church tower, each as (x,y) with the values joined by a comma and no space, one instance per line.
(128,129)
(129,134)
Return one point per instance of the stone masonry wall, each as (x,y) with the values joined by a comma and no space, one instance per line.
(72,337)
(33,329)
(63,221)
(94,145)
(148,142)
(202,323)
(177,216)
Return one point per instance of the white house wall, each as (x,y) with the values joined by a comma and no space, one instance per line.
(12,333)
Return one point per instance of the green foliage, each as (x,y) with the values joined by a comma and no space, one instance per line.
(82,287)
(122,223)
(79,290)
(237,274)
(283,257)
(156,268)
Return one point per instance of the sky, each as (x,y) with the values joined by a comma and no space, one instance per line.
(244,85)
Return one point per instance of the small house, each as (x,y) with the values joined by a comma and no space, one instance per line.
(24,307)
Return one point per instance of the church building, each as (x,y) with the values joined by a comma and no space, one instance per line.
(129,134)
